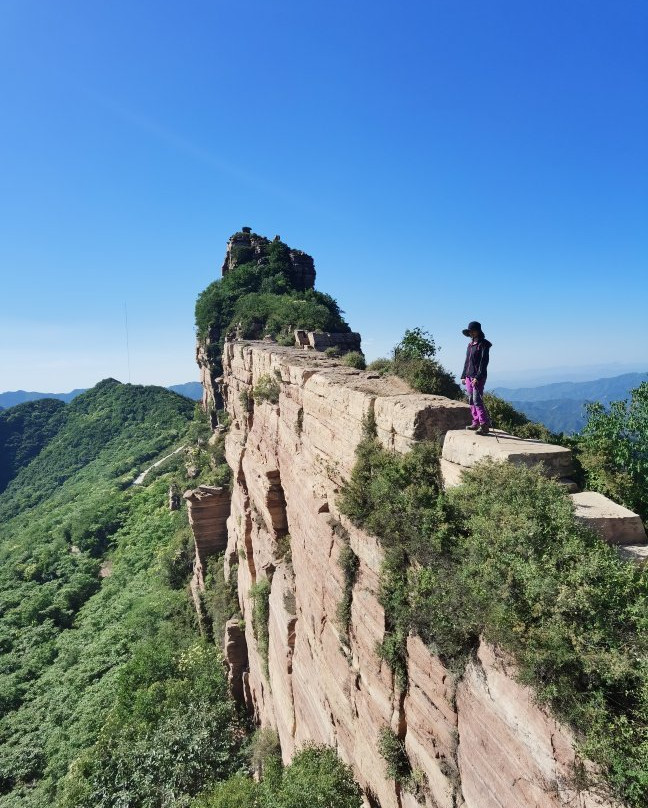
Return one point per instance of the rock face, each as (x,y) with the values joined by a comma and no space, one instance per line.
(463,449)
(614,523)
(208,507)
(320,340)
(245,246)
(210,381)
(477,742)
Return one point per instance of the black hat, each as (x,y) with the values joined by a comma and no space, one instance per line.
(472,326)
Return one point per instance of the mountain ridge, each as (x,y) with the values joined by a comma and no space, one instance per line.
(604,389)
(11,398)
(561,406)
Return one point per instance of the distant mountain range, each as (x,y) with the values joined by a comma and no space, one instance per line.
(191,390)
(561,406)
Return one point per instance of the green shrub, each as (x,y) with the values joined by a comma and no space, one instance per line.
(316,778)
(332,352)
(260,594)
(504,556)
(415,344)
(392,749)
(286,338)
(221,596)
(413,360)
(427,376)
(239,791)
(284,552)
(246,400)
(504,416)
(266,389)
(264,750)
(613,450)
(319,779)
(381,366)
(349,564)
(354,359)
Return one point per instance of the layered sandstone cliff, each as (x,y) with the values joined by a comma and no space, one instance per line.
(477,740)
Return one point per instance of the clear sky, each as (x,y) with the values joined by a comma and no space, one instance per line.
(442,160)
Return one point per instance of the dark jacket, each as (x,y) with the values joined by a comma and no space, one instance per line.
(476,362)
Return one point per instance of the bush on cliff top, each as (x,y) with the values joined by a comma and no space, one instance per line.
(504,416)
(262,296)
(503,557)
(413,360)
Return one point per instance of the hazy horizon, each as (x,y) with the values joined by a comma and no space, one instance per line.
(539,378)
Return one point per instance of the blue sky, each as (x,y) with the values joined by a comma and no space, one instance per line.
(443,161)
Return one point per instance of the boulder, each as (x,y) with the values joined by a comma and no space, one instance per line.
(614,523)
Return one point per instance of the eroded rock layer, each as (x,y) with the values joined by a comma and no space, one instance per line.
(477,742)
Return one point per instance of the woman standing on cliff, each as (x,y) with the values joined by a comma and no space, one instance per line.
(474,376)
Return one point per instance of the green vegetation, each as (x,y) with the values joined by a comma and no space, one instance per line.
(504,555)
(172,731)
(613,450)
(399,767)
(205,457)
(262,296)
(506,417)
(266,389)
(118,425)
(107,693)
(316,778)
(349,564)
(354,359)
(260,594)
(220,600)
(247,400)
(413,360)
(24,430)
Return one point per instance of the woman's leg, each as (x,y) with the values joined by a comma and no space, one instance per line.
(480,408)
(473,409)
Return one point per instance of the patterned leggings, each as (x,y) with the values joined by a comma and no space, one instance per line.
(477,407)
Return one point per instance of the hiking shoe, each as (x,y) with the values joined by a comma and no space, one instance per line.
(483,429)
(473,426)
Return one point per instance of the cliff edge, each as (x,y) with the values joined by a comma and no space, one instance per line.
(478,740)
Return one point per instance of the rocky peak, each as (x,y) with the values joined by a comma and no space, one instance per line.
(245,247)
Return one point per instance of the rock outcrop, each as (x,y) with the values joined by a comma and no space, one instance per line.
(462,450)
(320,340)
(478,741)
(613,522)
(210,380)
(246,246)
(208,508)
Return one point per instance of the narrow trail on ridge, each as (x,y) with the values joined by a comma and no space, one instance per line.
(140,478)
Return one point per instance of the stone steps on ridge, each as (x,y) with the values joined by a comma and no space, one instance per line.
(617,525)
(613,522)
(464,448)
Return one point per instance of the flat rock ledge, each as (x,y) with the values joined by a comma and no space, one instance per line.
(614,523)
(463,449)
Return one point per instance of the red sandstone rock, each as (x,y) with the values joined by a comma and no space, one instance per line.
(482,742)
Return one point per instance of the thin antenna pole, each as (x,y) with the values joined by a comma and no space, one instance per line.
(127,345)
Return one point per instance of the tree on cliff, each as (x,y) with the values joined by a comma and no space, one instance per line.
(316,777)
(613,450)
(413,359)
(262,295)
